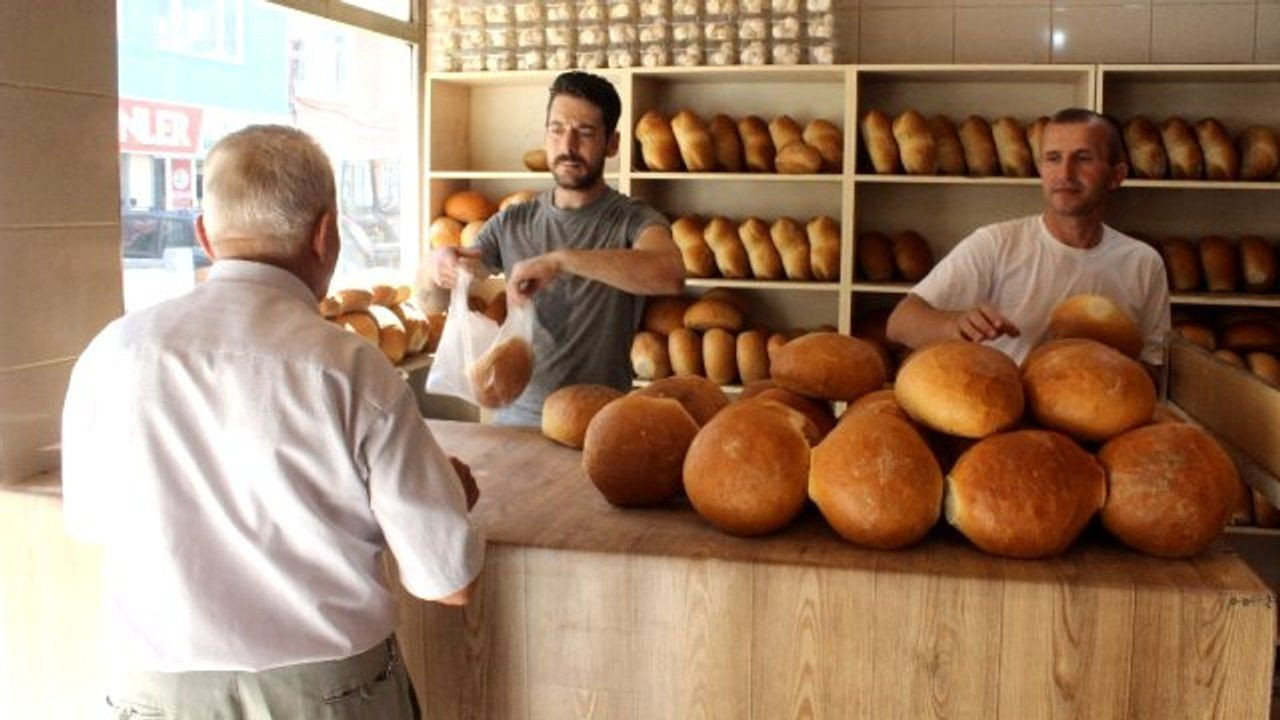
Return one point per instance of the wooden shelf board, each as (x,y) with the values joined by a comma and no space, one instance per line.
(1199,184)
(1227,299)
(762,284)
(895,288)
(736,177)
(873,179)
(542,176)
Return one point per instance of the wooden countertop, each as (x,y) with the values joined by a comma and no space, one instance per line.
(535,494)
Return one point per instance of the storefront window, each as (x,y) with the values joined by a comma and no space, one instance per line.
(398,9)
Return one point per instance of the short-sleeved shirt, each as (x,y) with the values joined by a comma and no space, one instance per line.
(1024,272)
(585,326)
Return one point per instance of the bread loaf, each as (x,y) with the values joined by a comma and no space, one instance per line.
(634,449)
(1221,264)
(828,366)
(793,247)
(1087,390)
(875,257)
(701,398)
(354,299)
(766,263)
(1248,336)
(876,482)
(755,387)
(664,314)
(961,388)
(684,349)
(1011,148)
(516,198)
(728,146)
(361,323)
(500,375)
(756,145)
(827,139)
(330,307)
(536,160)
(912,255)
(1096,317)
(496,308)
(877,137)
(747,470)
(699,261)
(1182,262)
(1186,161)
(567,412)
(720,356)
(1147,158)
(1221,161)
(1259,153)
(783,131)
(385,295)
(1258,264)
(707,313)
(649,358)
(731,257)
(393,341)
(1230,357)
(445,232)
(1264,365)
(1024,494)
(876,402)
(470,232)
(469,206)
(917,151)
(694,142)
(1196,333)
(819,420)
(735,299)
(416,326)
(774,344)
(797,158)
(658,146)
(947,141)
(979,147)
(1171,486)
(1035,134)
(824,248)
(752,356)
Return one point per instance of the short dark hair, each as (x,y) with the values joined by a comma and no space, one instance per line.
(592,88)
(1115,140)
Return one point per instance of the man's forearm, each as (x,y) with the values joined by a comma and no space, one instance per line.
(914,323)
(639,272)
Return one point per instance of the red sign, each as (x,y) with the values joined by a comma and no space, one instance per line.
(181,183)
(158,128)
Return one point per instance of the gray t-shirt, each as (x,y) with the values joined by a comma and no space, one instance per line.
(586,326)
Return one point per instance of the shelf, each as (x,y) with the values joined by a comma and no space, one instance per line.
(728,389)
(894,288)
(1199,184)
(541,176)
(943,180)
(1250,530)
(737,177)
(745,74)
(540,78)
(1226,299)
(761,284)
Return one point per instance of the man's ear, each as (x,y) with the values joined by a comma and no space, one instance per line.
(1119,172)
(325,242)
(612,148)
(202,237)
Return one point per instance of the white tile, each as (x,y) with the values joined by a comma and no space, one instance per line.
(60,158)
(63,44)
(1002,35)
(61,286)
(1114,34)
(906,35)
(30,418)
(1099,3)
(1268,43)
(883,4)
(1046,4)
(1202,33)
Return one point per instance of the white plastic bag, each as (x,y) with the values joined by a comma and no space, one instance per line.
(477,360)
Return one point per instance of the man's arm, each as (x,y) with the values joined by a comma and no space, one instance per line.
(915,323)
(652,266)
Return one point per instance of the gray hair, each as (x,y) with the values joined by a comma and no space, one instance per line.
(267,184)
(1115,140)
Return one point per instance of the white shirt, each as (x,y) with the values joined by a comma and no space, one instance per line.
(1024,272)
(244,463)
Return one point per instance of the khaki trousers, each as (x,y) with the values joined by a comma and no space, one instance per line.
(372,685)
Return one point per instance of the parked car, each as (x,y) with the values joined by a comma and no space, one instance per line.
(146,234)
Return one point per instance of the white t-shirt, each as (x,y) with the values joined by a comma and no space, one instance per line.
(244,463)
(1024,272)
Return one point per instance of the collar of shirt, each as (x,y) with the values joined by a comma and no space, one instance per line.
(230,270)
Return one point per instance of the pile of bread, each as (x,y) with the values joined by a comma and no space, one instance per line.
(385,316)
(903,256)
(1204,151)
(1217,264)
(915,145)
(465,212)
(686,143)
(1019,460)
(1245,339)
(757,249)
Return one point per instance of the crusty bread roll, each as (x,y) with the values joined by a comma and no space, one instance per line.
(361,323)
(416,326)
(393,340)
(727,143)
(684,349)
(877,402)
(1171,486)
(947,141)
(824,248)
(567,412)
(516,198)
(1230,357)
(435,328)
(496,308)
(694,142)
(1221,264)
(1258,264)
(384,294)
(1264,365)
(827,139)
(536,160)
(699,261)
(875,257)
(1197,333)
(747,470)
(468,206)
(1182,263)
(766,263)
(720,356)
(1012,149)
(1087,390)
(961,388)
(1096,317)
(979,147)
(774,344)
(756,144)
(701,398)
(819,420)
(755,387)
(1147,158)
(1259,150)
(1265,515)
(783,131)
(876,482)
(736,299)
(658,147)
(912,255)
(500,375)
(752,355)
(828,366)
(1024,494)
(649,358)
(1221,161)
(916,148)
(797,158)
(1248,336)
(354,299)
(1035,133)
(662,315)
(1186,160)
(445,232)
(634,449)
(793,247)
(330,307)
(706,313)
(877,138)
(731,257)
(470,232)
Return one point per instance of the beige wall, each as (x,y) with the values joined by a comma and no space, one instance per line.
(59,211)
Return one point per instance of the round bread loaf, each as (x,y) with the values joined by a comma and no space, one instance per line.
(736,299)
(1258,264)
(766,263)
(1248,336)
(755,387)
(793,247)
(649,358)
(917,150)
(753,356)
(950,151)
(684,349)
(701,398)
(1182,262)
(1186,161)
(756,144)
(1196,333)
(797,158)
(961,388)
(496,308)
(1096,317)
(1087,390)
(536,160)
(828,366)
(876,482)
(1024,494)
(824,248)
(720,356)
(1264,365)
(877,138)
(728,145)
(1012,150)
(1147,158)
(731,257)
(499,376)
(361,323)
(707,313)
(415,325)
(875,257)
(1221,264)
(567,412)
(1171,487)
(1229,357)
(1165,414)
(1259,153)
(664,314)
(393,340)
(658,146)
(979,147)
(818,416)
(877,402)
(516,198)
(774,344)
(330,307)
(747,470)
(1221,161)
(385,295)
(1035,133)
(783,131)
(354,299)
(634,449)
(699,261)
(445,232)
(694,142)
(469,206)
(828,140)
(912,255)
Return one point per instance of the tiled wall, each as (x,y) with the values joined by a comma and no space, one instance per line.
(59,212)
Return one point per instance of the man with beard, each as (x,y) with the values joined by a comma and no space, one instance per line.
(581,252)
(1001,284)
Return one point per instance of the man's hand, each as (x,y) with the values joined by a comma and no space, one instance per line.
(983,323)
(530,276)
(443,264)
(468,481)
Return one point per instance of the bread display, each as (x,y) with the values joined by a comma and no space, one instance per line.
(721,236)
(1087,390)
(469,206)
(797,158)
(417,326)
(961,388)
(1197,333)
(775,343)
(912,256)
(354,299)
(649,358)
(828,366)
(634,449)
(470,232)
(536,160)
(393,340)
(1186,161)
(828,140)
(330,307)
(1182,263)
(727,143)
(756,144)
(876,481)
(662,315)
(916,148)
(1258,264)
(516,198)
(979,147)
(1147,158)
(712,312)
(567,412)
(766,263)
(720,356)
(875,257)
(1035,134)
(1259,150)
(684,350)
(877,138)
(1265,365)
(819,420)
(361,323)
(783,131)
(1230,357)
(1024,494)
(658,147)
(700,397)
(947,142)
(1012,150)
(751,351)
(1171,487)
(1221,264)
(693,141)
(499,376)
(793,247)
(824,248)
(445,232)
(699,261)
(1246,336)
(1221,162)
(1096,317)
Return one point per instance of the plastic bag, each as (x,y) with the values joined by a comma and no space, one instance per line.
(479,361)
